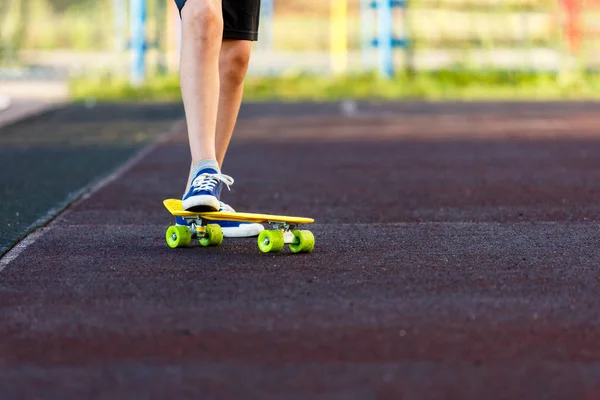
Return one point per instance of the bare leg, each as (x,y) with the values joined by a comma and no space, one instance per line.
(234,58)
(233,65)
(202,30)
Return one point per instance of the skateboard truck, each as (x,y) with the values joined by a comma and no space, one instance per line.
(284,226)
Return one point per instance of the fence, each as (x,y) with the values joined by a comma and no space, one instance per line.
(93,36)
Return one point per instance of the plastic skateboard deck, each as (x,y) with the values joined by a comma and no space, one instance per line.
(283,229)
(175,208)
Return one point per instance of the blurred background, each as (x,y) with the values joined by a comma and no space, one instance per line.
(73,48)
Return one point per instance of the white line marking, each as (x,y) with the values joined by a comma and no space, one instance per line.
(81,195)
(20,247)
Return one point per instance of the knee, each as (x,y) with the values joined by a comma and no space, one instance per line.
(203,18)
(235,57)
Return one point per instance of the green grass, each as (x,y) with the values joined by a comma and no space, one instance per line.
(443,85)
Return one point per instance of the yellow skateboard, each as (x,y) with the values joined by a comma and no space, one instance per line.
(283,229)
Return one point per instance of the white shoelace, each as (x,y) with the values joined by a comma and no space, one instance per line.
(209,181)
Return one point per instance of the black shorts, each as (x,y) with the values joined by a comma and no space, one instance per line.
(240,18)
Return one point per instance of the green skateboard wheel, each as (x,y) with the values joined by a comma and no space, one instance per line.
(178,236)
(304,242)
(270,241)
(213,236)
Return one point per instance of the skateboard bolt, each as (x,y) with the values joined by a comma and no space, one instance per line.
(173,237)
(266,241)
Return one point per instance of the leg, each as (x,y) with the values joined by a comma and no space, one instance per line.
(202,30)
(233,65)
(213,67)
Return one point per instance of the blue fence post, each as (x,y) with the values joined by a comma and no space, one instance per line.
(385,36)
(138,41)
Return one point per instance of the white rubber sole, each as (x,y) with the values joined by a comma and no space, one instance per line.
(202,202)
(242,231)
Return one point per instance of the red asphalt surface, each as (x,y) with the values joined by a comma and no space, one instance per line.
(457,257)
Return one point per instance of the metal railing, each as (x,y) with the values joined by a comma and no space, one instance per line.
(75,36)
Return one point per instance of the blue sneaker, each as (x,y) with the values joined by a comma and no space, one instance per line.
(204,195)
(235,229)
(205,191)
(231,229)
